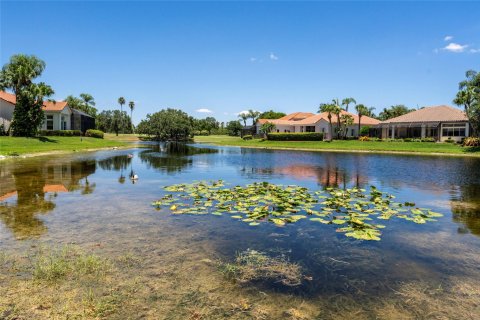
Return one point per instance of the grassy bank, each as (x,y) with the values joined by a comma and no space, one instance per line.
(345,145)
(128,137)
(11,146)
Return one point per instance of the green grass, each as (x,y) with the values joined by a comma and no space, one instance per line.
(11,146)
(345,145)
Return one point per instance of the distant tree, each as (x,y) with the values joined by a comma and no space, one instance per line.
(271,115)
(111,121)
(167,125)
(337,110)
(267,127)
(361,111)
(347,101)
(121,102)
(329,109)
(18,75)
(253,115)
(233,128)
(131,105)
(393,112)
(244,116)
(346,120)
(468,96)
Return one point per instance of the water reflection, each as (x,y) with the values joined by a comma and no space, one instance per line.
(26,191)
(466,209)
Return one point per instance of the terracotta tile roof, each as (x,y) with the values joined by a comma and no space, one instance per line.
(8,195)
(314,118)
(47,105)
(297,116)
(431,114)
(8,97)
(54,106)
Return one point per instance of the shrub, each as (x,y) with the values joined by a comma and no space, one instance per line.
(408,139)
(61,133)
(428,140)
(94,133)
(247,137)
(296,136)
(449,140)
(364,138)
(365,131)
(471,142)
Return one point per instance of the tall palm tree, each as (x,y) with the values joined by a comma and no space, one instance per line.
(254,115)
(88,103)
(328,108)
(347,101)
(131,105)
(244,116)
(337,110)
(121,102)
(361,111)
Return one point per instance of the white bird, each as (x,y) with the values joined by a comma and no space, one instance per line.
(130,155)
(134,177)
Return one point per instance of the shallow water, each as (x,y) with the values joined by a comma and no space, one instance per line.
(89,200)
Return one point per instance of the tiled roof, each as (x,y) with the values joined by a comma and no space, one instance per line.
(47,105)
(431,114)
(8,97)
(314,118)
(296,116)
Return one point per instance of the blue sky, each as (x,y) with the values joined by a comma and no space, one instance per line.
(231,56)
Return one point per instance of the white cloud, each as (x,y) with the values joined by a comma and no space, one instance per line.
(474,50)
(455,47)
(253,59)
(204,110)
(448,38)
(242,112)
(273,57)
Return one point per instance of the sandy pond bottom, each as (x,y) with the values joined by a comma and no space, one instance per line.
(95,248)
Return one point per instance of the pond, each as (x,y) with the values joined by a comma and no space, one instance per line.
(168,266)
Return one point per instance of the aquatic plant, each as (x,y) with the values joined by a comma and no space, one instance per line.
(353,210)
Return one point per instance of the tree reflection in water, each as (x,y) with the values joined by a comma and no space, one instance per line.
(466,209)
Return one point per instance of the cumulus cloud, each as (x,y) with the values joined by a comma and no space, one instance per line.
(448,38)
(455,47)
(242,112)
(204,110)
(273,57)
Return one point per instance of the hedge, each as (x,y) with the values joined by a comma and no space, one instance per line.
(296,136)
(94,133)
(62,133)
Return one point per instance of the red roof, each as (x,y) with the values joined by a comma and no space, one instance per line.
(431,114)
(47,105)
(312,119)
(8,97)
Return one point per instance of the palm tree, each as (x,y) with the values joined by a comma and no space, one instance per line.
(337,110)
(328,108)
(244,116)
(267,127)
(254,115)
(347,101)
(121,102)
(361,111)
(131,105)
(88,103)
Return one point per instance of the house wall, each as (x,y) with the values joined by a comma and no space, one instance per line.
(6,113)
(400,128)
(57,119)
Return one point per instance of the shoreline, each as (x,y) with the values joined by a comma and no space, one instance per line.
(436,154)
(60,152)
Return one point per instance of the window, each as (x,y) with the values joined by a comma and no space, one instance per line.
(353,132)
(310,129)
(453,130)
(49,122)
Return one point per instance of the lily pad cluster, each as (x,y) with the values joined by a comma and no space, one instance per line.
(354,211)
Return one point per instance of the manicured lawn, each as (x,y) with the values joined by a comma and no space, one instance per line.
(18,146)
(347,145)
(122,137)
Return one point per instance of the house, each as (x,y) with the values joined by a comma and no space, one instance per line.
(437,122)
(58,115)
(309,122)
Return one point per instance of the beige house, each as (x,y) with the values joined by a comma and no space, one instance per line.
(309,122)
(58,115)
(438,122)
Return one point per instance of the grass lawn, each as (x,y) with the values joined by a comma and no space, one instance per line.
(16,145)
(345,145)
(122,137)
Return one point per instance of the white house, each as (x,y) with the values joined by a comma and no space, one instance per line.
(58,115)
(309,122)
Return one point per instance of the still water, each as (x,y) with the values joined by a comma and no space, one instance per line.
(88,200)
